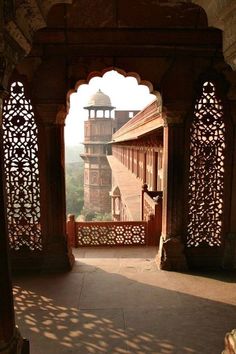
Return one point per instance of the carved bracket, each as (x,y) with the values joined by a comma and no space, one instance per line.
(172,117)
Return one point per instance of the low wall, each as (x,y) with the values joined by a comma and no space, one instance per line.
(103,233)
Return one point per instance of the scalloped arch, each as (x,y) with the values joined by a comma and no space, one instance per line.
(102,73)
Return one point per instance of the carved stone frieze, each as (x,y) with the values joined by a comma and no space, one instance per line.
(30,16)
(10,55)
(15,32)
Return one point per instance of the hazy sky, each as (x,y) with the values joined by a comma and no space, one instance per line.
(124,92)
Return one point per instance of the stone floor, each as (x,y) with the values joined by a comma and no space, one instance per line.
(116,301)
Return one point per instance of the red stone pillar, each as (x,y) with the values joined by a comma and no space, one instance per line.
(154,171)
(56,248)
(229,260)
(71,231)
(144,167)
(144,190)
(11,341)
(171,256)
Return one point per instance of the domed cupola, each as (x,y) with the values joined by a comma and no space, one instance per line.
(99,101)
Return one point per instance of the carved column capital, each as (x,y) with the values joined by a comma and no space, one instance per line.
(173,115)
(174,119)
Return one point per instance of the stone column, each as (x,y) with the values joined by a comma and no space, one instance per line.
(171,256)
(144,167)
(154,171)
(229,259)
(144,190)
(56,249)
(11,341)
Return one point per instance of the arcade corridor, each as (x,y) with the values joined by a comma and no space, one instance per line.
(115,301)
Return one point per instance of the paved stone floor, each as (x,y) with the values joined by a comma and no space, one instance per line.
(116,301)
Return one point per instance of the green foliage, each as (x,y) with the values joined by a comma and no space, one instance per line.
(74,187)
(102,217)
(94,216)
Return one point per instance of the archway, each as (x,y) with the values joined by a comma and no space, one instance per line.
(119,53)
(128,98)
(128,95)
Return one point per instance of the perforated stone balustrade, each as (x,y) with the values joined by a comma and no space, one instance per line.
(113,233)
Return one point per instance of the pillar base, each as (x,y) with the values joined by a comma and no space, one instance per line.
(171,255)
(230,343)
(54,257)
(17,345)
(58,257)
(229,259)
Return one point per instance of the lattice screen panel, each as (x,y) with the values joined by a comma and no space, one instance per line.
(206,171)
(21,171)
(111,233)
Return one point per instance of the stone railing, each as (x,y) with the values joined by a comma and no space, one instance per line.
(112,233)
(152,212)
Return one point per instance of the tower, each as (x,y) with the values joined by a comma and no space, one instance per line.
(97,173)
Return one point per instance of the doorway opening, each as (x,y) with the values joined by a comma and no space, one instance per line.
(90,123)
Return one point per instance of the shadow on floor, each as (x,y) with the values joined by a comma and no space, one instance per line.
(116,252)
(222,275)
(102,312)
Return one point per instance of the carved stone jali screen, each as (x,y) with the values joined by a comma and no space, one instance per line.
(206,170)
(125,233)
(21,171)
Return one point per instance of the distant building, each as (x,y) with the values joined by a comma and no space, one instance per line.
(137,154)
(98,130)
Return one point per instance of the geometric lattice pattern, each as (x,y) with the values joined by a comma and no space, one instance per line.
(21,171)
(206,171)
(111,233)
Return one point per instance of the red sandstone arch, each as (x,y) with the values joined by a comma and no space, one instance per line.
(101,73)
